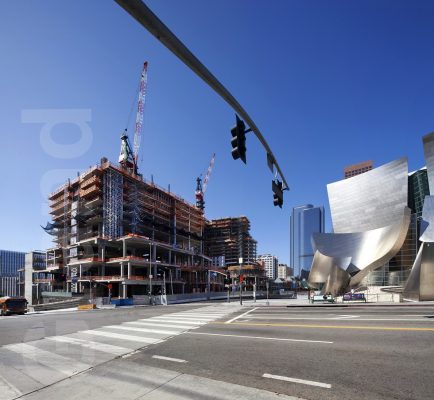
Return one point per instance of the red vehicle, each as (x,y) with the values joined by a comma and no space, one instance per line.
(13,305)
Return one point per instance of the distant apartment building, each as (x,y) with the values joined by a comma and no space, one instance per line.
(227,240)
(270,263)
(357,169)
(10,264)
(284,272)
(304,221)
(35,278)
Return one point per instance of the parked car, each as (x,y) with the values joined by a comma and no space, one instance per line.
(13,305)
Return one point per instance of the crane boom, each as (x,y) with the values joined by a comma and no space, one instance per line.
(208,174)
(140,110)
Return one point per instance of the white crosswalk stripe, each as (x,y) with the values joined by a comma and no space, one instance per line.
(134,329)
(48,360)
(175,321)
(157,324)
(106,348)
(7,390)
(132,338)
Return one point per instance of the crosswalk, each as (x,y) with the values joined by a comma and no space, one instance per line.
(26,367)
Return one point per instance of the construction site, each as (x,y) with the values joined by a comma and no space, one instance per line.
(116,234)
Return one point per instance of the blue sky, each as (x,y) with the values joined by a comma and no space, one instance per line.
(329,83)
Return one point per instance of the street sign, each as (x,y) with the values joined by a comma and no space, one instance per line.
(151,276)
(110,286)
(74,279)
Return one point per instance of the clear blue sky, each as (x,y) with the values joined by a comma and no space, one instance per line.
(329,83)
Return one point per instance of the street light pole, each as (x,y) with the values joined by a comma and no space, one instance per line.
(150,274)
(240,261)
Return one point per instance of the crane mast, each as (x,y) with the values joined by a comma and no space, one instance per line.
(201,189)
(128,157)
(140,111)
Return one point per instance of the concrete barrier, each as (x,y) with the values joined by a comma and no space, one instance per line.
(85,307)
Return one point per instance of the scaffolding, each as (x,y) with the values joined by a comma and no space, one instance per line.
(112,204)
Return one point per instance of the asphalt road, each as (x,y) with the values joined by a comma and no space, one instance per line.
(360,352)
(363,353)
(29,327)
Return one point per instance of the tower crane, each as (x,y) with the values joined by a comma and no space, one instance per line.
(128,157)
(201,189)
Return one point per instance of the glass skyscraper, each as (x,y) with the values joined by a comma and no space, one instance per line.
(304,221)
(10,263)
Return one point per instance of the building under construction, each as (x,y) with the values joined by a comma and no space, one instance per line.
(113,227)
(227,240)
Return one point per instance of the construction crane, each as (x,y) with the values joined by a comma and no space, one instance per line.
(128,157)
(201,189)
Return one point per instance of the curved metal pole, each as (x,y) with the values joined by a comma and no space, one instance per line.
(143,14)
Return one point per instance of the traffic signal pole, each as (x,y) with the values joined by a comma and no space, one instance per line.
(143,14)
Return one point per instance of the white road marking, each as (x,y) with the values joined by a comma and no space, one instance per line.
(122,337)
(176,321)
(241,315)
(7,390)
(182,318)
(296,380)
(178,360)
(201,315)
(105,348)
(260,337)
(340,318)
(65,365)
(346,316)
(158,324)
(133,329)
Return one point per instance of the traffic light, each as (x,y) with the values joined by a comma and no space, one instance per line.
(239,140)
(277,193)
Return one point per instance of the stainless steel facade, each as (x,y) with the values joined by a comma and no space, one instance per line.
(420,284)
(428,148)
(374,199)
(370,220)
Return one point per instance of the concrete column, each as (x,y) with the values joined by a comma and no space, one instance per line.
(28,277)
(122,269)
(124,289)
(124,248)
(129,269)
(154,257)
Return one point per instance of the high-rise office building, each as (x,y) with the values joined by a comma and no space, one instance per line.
(305,220)
(10,263)
(357,169)
(270,263)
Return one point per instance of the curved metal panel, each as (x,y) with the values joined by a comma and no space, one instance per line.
(427,223)
(428,149)
(374,199)
(357,253)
